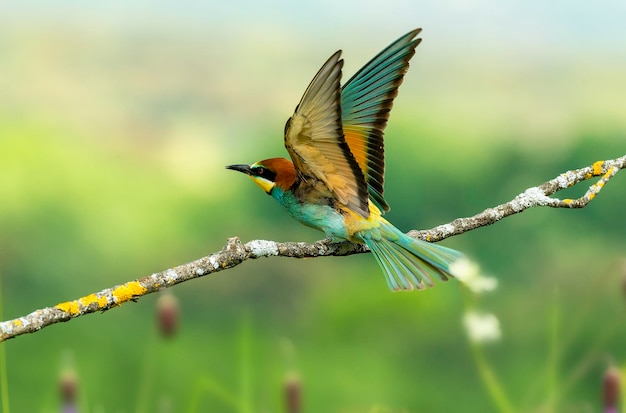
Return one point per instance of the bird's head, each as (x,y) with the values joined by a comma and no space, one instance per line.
(269,173)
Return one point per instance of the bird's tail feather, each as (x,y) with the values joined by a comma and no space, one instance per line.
(409,263)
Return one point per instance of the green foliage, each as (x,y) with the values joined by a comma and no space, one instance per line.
(76,219)
(129,179)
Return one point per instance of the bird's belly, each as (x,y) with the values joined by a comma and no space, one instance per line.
(320,217)
(337,224)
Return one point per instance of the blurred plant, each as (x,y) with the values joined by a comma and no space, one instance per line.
(293,393)
(468,272)
(611,389)
(212,387)
(167,318)
(481,327)
(242,402)
(68,384)
(168,314)
(292,385)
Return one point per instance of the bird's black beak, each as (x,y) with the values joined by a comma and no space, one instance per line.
(241,168)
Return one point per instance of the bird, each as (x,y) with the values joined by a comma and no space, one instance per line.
(334,180)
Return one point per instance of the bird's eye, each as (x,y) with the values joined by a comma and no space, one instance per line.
(259,171)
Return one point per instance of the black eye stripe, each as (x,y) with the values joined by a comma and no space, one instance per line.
(264,173)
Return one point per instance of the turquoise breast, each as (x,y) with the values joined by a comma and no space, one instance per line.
(321,217)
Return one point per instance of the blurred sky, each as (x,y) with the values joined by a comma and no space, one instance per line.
(561,26)
(533,72)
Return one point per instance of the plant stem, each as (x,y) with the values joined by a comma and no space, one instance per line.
(490,380)
(245,364)
(553,360)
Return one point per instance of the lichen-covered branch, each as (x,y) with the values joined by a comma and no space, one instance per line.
(235,252)
(532,197)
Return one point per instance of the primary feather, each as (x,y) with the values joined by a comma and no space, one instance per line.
(366,100)
(316,144)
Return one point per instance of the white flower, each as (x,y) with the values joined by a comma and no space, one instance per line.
(482,327)
(469,274)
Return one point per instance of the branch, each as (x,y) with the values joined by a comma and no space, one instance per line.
(234,253)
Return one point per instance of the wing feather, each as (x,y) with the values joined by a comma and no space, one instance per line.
(315,141)
(367,99)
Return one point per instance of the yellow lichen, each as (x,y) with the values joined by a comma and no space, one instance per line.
(588,175)
(17,323)
(568,201)
(597,168)
(609,173)
(126,292)
(71,307)
(591,196)
(101,302)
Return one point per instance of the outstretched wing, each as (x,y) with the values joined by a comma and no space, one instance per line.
(315,141)
(366,101)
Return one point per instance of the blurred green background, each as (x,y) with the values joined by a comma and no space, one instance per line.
(116,122)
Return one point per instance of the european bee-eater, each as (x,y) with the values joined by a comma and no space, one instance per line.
(334,182)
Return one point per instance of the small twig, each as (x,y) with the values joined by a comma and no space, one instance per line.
(532,197)
(234,253)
